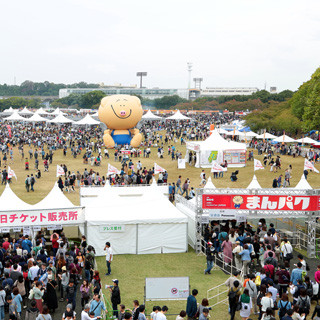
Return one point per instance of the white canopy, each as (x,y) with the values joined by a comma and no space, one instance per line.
(60,118)
(57,112)
(209,184)
(178,116)
(87,120)
(248,134)
(222,131)
(96,114)
(307,140)
(25,111)
(233,133)
(150,116)
(15,116)
(36,118)
(284,138)
(9,201)
(43,112)
(54,199)
(303,184)
(266,135)
(9,111)
(149,224)
(254,184)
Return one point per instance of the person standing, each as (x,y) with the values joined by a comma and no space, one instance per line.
(109,257)
(210,257)
(32,181)
(115,297)
(227,250)
(233,296)
(97,306)
(27,183)
(192,306)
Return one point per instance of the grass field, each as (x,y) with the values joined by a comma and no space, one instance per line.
(44,185)
(131,271)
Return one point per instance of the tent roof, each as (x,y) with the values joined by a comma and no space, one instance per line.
(54,199)
(149,115)
(10,110)
(216,142)
(25,111)
(9,201)
(15,116)
(41,111)
(178,116)
(87,120)
(254,184)
(307,140)
(146,209)
(266,135)
(284,138)
(96,114)
(222,131)
(60,118)
(234,133)
(249,134)
(303,184)
(209,184)
(36,118)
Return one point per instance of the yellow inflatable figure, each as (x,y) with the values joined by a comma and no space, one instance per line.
(121,113)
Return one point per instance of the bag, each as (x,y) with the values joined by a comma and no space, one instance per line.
(31,295)
(303,304)
(233,294)
(283,310)
(307,267)
(86,296)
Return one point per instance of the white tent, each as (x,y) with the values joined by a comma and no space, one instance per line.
(36,118)
(222,131)
(178,116)
(15,116)
(248,134)
(216,148)
(57,112)
(150,116)
(266,135)
(284,138)
(136,225)
(233,133)
(87,120)
(60,118)
(25,111)
(307,140)
(9,111)
(54,199)
(42,112)
(254,184)
(96,114)
(209,184)
(303,184)
(9,201)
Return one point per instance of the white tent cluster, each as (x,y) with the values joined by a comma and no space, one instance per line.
(150,116)
(178,116)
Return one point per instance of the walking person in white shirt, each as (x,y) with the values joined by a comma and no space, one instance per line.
(109,257)
(286,250)
(85,313)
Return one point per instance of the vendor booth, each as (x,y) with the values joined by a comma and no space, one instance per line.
(217,149)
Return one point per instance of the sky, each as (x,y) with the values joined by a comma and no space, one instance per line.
(230,42)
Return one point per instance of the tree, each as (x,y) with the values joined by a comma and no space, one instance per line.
(168,101)
(90,99)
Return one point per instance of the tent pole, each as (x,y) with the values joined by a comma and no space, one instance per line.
(137,238)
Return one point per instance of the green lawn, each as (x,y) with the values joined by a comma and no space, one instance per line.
(131,271)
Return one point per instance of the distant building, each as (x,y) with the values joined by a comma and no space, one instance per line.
(225,91)
(273,90)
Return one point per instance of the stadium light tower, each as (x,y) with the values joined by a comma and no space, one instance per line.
(189,64)
(141,74)
(197,83)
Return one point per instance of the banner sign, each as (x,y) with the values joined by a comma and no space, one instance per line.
(41,217)
(112,228)
(261,202)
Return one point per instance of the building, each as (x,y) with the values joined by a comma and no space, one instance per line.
(227,91)
(153,93)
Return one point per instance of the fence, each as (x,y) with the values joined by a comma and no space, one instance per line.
(217,295)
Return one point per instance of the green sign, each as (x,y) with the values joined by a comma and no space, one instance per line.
(112,228)
(213,156)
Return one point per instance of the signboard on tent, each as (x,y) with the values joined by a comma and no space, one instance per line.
(260,202)
(181,163)
(234,156)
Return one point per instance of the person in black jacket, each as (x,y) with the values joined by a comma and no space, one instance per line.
(210,257)
(115,297)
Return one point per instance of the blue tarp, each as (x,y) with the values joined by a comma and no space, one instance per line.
(245,129)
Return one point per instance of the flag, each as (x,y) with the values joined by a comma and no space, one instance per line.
(264,135)
(60,171)
(11,173)
(158,169)
(217,168)
(284,133)
(309,166)
(257,165)
(9,131)
(112,169)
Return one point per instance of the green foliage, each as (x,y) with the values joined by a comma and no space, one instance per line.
(18,102)
(91,99)
(168,101)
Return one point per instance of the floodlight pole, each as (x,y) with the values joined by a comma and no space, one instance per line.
(141,74)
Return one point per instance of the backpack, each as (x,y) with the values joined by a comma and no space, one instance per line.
(233,294)
(304,304)
(283,310)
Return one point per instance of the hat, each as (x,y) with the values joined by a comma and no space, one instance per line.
(209,243)
(260,223)
(115,281)
(238,242)
(69,306)
(64,268)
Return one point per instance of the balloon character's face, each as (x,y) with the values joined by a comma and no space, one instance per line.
(120,112)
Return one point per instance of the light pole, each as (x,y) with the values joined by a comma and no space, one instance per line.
(189,64)
(141,74)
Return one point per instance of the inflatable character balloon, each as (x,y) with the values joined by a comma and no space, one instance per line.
(121,113)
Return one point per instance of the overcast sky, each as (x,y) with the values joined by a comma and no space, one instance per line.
(230,42)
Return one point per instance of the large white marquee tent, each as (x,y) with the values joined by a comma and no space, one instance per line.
(150,116)
(178,116)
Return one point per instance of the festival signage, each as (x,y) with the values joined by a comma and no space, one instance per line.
(112,228)
(41,217)
(260,202)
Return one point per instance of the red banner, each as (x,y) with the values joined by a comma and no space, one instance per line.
(261,202)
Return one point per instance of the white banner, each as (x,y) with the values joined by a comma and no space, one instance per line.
(42,217)
(258,165)
(11,173)
(112,170)
(60,171)
(181,163)
(308,165)
(158,169)
(113,228)
(217,168)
